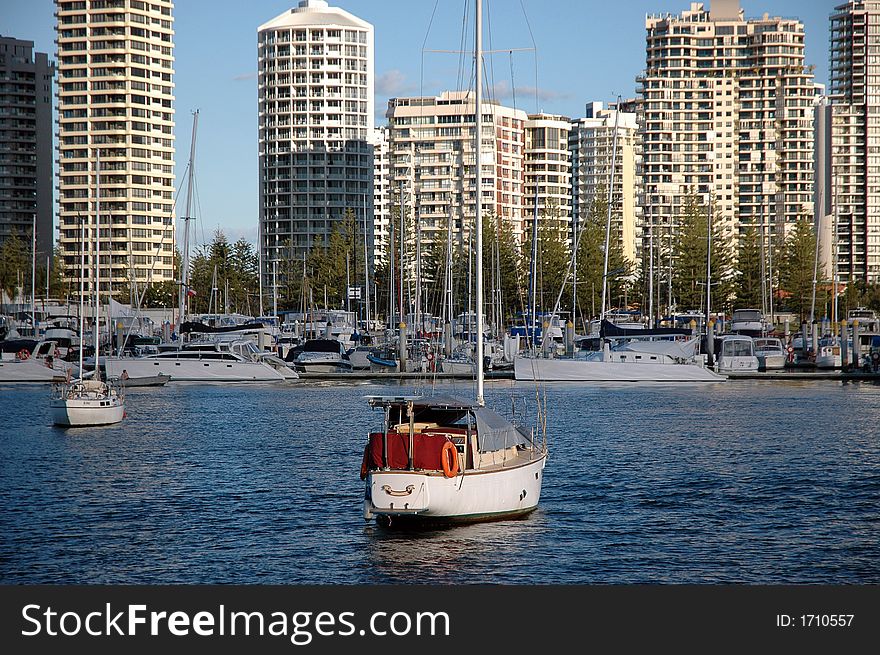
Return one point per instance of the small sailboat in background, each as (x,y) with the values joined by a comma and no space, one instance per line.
(447,460)
(81,402)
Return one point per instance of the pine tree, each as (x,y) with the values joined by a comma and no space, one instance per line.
(14,263)
(689,253)
(796,268)
(748,273)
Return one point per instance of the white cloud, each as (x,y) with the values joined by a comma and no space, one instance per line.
(391,83)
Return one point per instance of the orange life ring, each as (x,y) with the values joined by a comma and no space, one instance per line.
(449,459)
(23,354)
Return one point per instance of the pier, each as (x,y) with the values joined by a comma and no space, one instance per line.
(410,375)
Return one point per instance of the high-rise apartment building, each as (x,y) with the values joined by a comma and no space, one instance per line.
(547,170)
(381,194)
(116,135)
(728,112)
(592,146)
(433,162)
(26,180)
(315,123)
(855,128)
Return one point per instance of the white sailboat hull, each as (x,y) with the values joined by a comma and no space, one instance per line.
(83,412)
(579,370)
(474,495)
(192,370)
(459,367)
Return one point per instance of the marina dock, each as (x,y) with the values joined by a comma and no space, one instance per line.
(413,375)
(776,376)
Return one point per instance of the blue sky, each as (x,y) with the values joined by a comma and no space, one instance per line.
(586,50)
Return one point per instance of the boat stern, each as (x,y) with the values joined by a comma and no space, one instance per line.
(395,493)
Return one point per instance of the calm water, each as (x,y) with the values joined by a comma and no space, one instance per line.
(751,482)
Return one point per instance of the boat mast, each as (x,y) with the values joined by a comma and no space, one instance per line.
(82,291)
(834,269)
(708,261)
(34,276)
(651,272)
(366,267)
(532,319)
(478,140)
(97,262)
(184,273)
(260,266)
(608,218)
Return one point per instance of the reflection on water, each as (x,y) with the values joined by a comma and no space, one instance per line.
(464,554)
(737,482)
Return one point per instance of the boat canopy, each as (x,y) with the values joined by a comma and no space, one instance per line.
(609,329)
(676,349)
(323,346)
(494,432)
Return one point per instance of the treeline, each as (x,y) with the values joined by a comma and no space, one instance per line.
(225,275)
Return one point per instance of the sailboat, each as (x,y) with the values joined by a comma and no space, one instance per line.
(627,354)
(81,402)
(448,460)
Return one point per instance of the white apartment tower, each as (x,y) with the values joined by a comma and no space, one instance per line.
(315,124)
(592,146)
(381,193)
(434,167)
(116,133)
(546,170)
(728,111)
(855,128)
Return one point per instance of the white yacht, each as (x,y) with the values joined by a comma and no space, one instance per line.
(828,355)
(770,352)
(204,361)
(42,364)
(749,322)
(322,356)
(736,354)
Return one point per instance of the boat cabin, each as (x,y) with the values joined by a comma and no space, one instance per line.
(736,353)
(416,430)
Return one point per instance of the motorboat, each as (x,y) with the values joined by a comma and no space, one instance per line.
(321,356)
(749,322)
(828,354)
(770,352)
(735,353)
(39,364)
(204,361)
